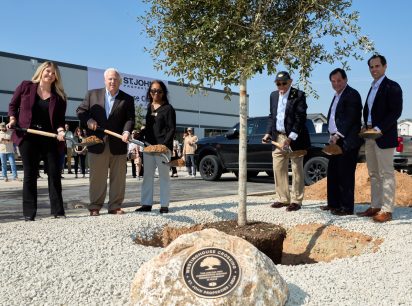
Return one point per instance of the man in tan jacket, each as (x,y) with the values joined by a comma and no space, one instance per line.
(189,148)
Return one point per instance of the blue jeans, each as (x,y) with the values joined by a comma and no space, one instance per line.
(4,158)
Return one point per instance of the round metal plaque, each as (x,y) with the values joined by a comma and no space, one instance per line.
(211,272)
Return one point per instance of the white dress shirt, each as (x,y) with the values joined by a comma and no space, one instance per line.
(280,116)
(371,98)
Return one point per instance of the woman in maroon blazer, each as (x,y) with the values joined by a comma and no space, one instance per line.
(40,104)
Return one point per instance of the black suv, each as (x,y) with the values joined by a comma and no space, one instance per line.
(219,154)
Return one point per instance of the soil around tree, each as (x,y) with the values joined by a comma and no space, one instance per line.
(266,237)
(301,244)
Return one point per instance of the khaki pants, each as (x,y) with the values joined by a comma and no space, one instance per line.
(382,176)
(280,170)
(100,166)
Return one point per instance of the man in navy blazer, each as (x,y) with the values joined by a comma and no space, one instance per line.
(287,126)
(112,109)
(344,125)
(382,109)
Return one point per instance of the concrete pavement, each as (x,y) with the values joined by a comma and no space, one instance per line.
(76,192)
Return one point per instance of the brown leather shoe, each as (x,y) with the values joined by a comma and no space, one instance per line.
(326,207)
(293,207)
(370,212)
(278,205)
(382,217)
(94,212)
(117,211)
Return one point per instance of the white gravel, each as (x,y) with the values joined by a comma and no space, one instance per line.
(91,261)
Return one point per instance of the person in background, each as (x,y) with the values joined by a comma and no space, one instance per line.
(175,155)
(138,161)
(131,153)
(381,111)
(189,148)
(344,124)
(113,109)
(79,153)
(160,130)
(86,158)
(40,104)
(69,148)
(7,153)
(287,126)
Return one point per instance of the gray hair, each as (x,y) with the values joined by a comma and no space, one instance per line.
(112,69)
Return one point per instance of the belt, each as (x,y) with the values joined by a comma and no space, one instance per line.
(369,126)
(281,133)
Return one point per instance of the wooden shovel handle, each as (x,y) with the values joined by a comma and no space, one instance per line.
(277,145)
(42,133)
(114,134)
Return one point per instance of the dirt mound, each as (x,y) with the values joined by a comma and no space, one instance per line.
(403,194)
(311,243)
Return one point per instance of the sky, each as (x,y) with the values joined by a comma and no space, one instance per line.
(106,33)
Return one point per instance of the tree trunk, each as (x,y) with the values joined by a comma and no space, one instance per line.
(242,191)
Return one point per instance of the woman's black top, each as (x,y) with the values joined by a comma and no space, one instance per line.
(160,125)
(40,115)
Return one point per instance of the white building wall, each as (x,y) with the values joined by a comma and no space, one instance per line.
(199,111)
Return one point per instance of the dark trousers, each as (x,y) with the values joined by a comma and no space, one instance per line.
(133,168)
(31,149)
(82,159)
(341,180)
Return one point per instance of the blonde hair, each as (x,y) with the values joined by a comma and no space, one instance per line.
(57,84)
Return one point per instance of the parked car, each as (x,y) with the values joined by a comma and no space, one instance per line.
(402,157)
(219,154)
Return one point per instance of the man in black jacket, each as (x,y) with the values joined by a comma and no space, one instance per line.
(287,126)
(108,108)
(382,109)
(344,124)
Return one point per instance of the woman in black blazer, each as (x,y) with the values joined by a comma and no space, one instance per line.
(40,104)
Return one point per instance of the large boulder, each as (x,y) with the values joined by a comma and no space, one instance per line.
(209,268)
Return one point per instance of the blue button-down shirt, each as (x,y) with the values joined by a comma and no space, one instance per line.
(109,101)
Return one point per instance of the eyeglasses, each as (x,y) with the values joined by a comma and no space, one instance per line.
(156,91)
(281,84)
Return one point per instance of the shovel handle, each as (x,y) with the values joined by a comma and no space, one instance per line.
(117,135)
(114,134)
(42,133)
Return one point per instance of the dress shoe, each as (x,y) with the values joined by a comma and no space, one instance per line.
(164,210)
(28,218)
(117,211)
(144,208)
(370,212)
(382,217)
(59,216)
(341,212)
(94,212)
(278,205)
(293,207)
(326,207)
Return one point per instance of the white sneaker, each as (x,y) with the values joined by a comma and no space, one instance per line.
(193,175)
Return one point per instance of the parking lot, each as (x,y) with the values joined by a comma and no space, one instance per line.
(75,192)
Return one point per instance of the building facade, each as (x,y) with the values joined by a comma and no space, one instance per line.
(207,111)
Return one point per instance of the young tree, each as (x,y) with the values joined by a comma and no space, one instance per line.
(229,41)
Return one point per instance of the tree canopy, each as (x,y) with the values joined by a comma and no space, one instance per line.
(205,42)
